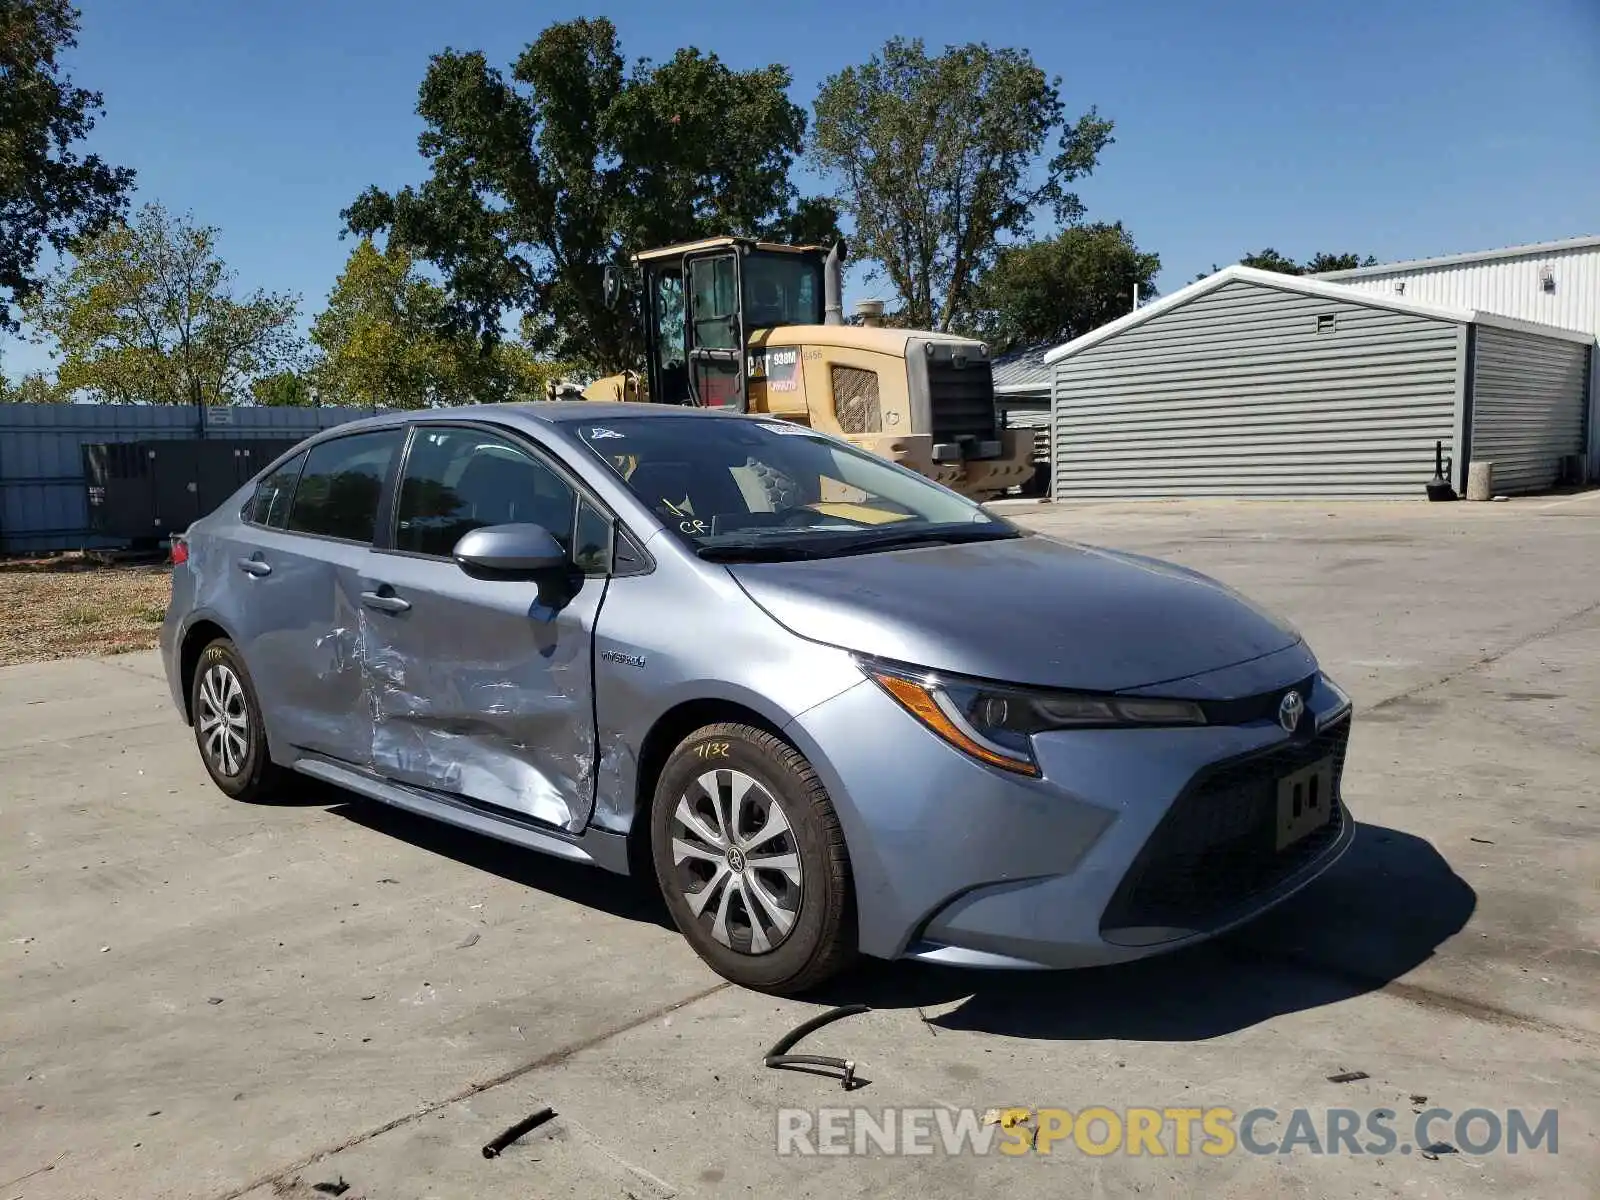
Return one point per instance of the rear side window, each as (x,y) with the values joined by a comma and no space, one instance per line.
(270,507)
(457,480)
(339,488)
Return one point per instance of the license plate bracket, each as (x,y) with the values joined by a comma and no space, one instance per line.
(1305,802)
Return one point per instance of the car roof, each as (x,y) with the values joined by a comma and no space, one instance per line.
(545,412)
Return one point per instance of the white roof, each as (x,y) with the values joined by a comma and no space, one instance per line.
(1305,286)
(1532,250)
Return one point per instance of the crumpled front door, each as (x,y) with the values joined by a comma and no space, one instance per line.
(480,689)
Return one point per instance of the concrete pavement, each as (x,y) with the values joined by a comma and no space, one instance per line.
(208,999)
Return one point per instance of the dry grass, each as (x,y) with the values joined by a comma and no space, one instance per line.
(67,606)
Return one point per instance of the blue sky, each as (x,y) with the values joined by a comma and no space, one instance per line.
(1400,128)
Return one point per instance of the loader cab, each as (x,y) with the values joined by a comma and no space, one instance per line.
(703,301)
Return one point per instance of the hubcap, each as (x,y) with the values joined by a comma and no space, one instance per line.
(736,860)
(223,720)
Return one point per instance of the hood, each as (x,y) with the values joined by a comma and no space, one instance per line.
(1027,610)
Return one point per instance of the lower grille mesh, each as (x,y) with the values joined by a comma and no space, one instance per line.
(1215,851)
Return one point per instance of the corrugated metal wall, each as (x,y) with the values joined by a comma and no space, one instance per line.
(1236,393)
(1510,287)
(1529,395)
(42,501)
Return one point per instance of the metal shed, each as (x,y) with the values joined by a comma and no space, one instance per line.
(1251,383)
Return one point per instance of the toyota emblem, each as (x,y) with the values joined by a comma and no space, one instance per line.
(1289,710)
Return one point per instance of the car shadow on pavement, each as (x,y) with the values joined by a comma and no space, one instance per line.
(589,886)
(1383,909)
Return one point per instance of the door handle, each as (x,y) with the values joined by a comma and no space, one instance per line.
(254,566)
(388,603)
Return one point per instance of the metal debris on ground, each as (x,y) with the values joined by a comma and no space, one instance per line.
(49,1166)
(526,1125)
(213,999)
(1432,1153)
(779,1056)
(467,942)
(332,1189)
(1348,1076)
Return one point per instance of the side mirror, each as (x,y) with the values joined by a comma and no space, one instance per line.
(611,285)
(510,552)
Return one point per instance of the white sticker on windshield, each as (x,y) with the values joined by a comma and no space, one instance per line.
(600,431)
(787,427)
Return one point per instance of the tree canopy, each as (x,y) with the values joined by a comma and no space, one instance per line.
(939,158)
(49,194)
(1270,260)
(385,341)
(1049,292)
(146,312)
(539,178)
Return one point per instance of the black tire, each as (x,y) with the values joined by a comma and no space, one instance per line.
(255,776)
(821,938)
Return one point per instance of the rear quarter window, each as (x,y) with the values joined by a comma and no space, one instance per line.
(274,494)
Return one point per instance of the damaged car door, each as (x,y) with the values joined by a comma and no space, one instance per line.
(482,687)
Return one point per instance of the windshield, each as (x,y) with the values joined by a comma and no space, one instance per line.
(781,289)
(762,488)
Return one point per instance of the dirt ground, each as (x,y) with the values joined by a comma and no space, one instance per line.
(72,605)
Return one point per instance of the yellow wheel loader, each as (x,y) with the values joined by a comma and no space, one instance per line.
(759,327)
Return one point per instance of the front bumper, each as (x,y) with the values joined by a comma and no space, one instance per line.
(1102,860)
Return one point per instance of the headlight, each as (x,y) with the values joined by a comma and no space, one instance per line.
(995,724)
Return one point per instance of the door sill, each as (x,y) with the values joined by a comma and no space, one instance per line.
(597,847)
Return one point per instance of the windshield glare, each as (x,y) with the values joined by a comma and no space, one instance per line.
(723,482)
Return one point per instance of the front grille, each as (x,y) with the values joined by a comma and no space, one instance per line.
(961,400)
(1216,850)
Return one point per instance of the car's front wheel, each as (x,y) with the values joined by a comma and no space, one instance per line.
(752,860)
(228,726)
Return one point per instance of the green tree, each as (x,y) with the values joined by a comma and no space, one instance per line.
(939,159)
(49,194)
(384,341)
(540,179)
(1052,291)
(34,388)
(1270,260)
(147,313)
(285,389)
(1323,261)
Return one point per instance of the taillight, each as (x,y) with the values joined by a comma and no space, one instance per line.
(180,551)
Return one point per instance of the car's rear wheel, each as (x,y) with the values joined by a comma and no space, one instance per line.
(752,860)
(228,726)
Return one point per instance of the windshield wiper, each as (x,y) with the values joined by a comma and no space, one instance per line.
(754,552)
(907,539)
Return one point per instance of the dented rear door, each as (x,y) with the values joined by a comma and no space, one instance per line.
(481,688)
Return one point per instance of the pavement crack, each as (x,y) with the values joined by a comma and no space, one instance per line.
(1487,660)
(553,1058)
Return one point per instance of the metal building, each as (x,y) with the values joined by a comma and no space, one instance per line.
(1554,283)
(44,503)
(1252,383)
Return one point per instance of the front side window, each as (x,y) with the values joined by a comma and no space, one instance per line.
(772,487)
(457,480)
(270,507)
(339,489)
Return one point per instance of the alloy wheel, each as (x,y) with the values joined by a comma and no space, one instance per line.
(737,863)
(223,720)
